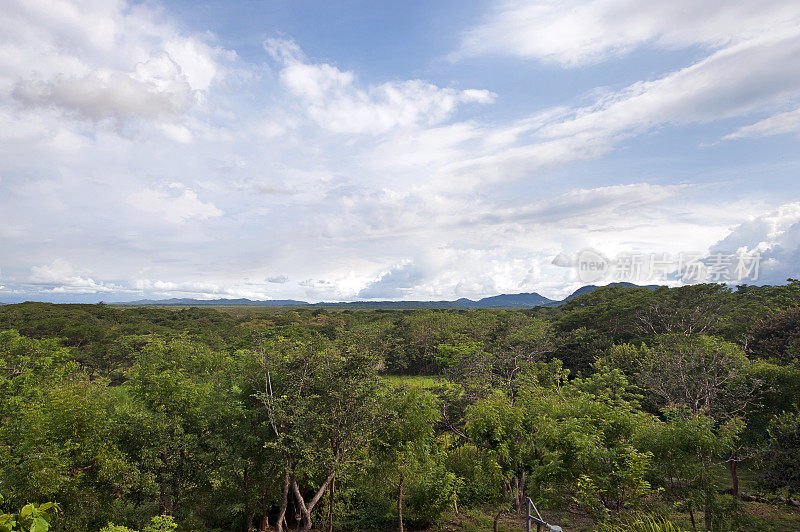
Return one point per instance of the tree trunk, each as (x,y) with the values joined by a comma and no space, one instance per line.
(330,505)
(263,522)
(400,504)
(246,489)
(284,503)
(706,488)
(496,524)
(306,509)
(516,495)
(733,467)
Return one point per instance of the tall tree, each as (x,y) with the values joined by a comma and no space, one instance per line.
(321,404)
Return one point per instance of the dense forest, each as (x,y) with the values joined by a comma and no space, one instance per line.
(623,409)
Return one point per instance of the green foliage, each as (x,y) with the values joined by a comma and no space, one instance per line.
(31,518)
(702,373)
(777,337)
(482,478)
(781,465)
(622,401)
(642,523)
(431,492)
(159,523)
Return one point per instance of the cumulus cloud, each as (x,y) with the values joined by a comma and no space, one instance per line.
(96,60)
(112,95)
(180,208)
(333,98)
(60,277)
(169,287)
(576,32)
(775,236)
(396,283)
(201,289)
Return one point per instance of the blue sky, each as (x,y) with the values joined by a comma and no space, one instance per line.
(374,150)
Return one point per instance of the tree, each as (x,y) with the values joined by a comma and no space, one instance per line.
(592,428)
(56,435)
(506,435)
(782,469)
(478,370)
(636,312)
(405,437)
(526,341)
(703,374)
(685,448)
(777,337)
(186,401)
(321,406)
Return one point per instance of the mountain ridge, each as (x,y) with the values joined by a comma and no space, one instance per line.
(517,301)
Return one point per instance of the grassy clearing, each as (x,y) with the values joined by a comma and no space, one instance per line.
(753,516)
(416,381)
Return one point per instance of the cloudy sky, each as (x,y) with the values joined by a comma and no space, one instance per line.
(388,150)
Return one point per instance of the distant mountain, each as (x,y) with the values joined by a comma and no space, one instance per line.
(174,302)
(526,300)
(460,303)
(509,301)
(588,289)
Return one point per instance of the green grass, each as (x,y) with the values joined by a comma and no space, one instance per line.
(754,516)
(416,381)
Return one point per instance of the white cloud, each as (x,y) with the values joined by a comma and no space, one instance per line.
(734,81)
(201,289)
(775,235)
(395,283)
(443,248)
(97,60)
(60,277)
(333,98)
(174,208)
(411,213)
(730,82)
(781,123)
(374,188)
(111,94)
(577,32)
